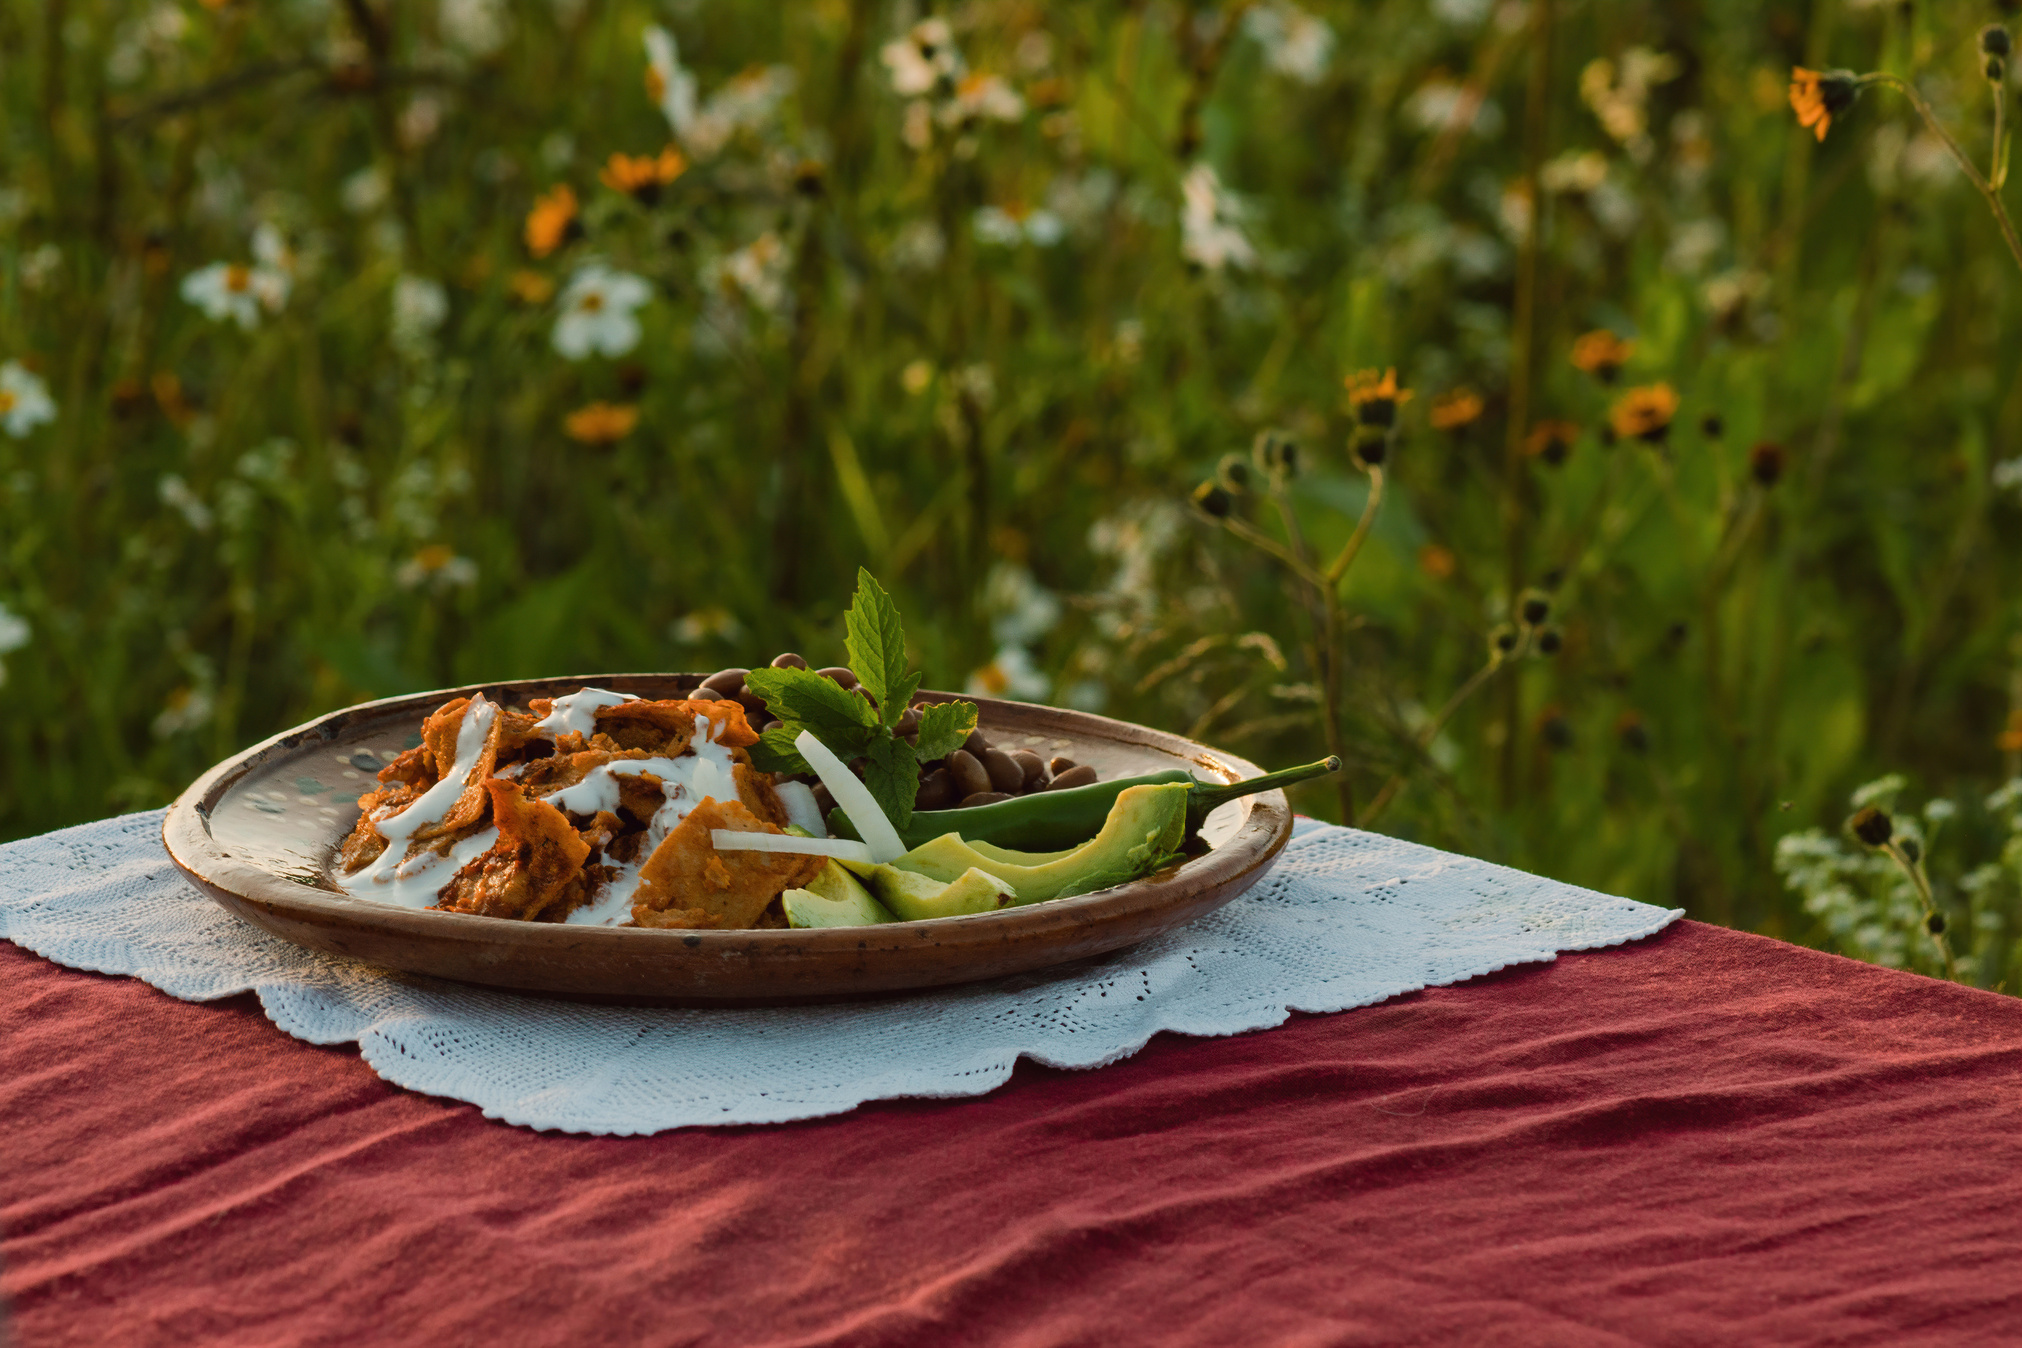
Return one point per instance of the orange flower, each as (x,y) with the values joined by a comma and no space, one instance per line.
(1817,96)
(1601,354)
(1551,441)
(1375,400)
(1437,561)
(601,423)
(2010,740)
(643,177)
(1451,411)
(1645,413)
(551,219)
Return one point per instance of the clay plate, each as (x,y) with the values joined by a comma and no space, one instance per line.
(258,834)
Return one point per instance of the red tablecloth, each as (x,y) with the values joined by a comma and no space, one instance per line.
(1707,1137)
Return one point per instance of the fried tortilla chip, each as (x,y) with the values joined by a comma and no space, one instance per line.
(754,789)
(366,842)
(687,876)
(534,872)
(438,735)
(667,728)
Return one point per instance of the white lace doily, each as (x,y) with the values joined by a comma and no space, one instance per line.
(1345,919)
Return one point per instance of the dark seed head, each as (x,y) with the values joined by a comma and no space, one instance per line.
(1994,41)
(1550,641)
(1503,639)
(1534,606)
(1995,69)
(1214,499)
(1912,849)
(1631,731)
(1838,89)
(1554,729)
(1712,426)
(1233,474)
(1372,447)
(1872,827)
(1935,924)
(1765,463)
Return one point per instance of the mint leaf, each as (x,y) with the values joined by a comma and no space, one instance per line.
(877,647)
(839,718)
(943,727)
(775,751)
(893,776)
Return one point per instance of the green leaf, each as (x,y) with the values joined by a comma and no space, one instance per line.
(835,715)
(893,776)
(943,727)
(877,647)
(775,751)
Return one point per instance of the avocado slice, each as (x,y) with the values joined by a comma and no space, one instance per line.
(1144,830)
(833,898)
(915,897)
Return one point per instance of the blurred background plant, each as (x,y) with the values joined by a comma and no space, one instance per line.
(349,349)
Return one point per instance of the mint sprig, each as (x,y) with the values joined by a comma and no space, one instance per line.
(848,724)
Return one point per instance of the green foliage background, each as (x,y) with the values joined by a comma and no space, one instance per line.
(224,532)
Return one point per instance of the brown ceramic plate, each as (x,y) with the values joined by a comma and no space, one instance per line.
(259,831)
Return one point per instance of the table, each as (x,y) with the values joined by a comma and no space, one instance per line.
(1705,1137)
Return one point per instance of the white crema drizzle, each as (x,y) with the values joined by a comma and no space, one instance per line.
(413,883)
(578,712)
(685,782)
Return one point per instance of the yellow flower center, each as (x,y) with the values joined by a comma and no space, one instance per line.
(6,402)
(592,302)
(238,278)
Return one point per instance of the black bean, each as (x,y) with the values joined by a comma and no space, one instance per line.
(788,661)
(976,744)
(937,791)
(705,695)
(982,798)
(969,773)
(769,724)
(823,801)
(909,721)
(1060,765)
(1077,776)
(753,704)
(1005,774)
(1032,765)
(726,681)
(841,674)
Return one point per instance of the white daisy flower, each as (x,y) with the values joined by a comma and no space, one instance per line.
(703,128)
(419,306)
(982,96)
(13,630)
(1295,43)
(597,313)
(24,400)
(1209,232)
(1013,224)
(236,291)
(758,270)
(921,59)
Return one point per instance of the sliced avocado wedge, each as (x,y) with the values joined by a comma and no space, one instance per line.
(1144,830)
(833,899)
(915,897)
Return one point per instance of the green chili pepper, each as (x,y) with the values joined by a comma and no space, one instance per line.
(1048,821)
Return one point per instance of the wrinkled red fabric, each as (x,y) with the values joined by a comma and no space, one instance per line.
(1706,1137)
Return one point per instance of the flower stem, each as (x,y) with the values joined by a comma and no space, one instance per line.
(1988,190)
(1340,565)
(1915,871)
(1426,736)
